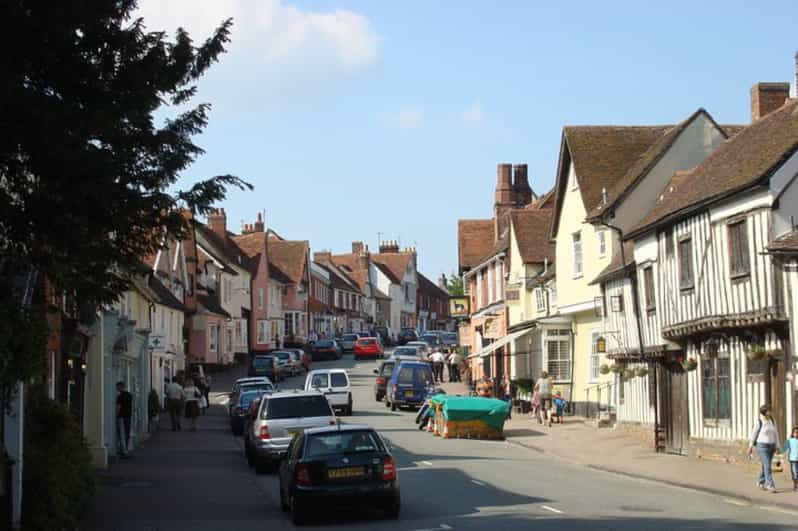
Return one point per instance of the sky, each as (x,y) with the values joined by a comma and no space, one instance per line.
(359,118)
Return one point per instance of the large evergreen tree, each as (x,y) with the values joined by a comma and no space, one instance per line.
(87,175)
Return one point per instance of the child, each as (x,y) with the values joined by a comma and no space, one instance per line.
(559,404)
(791,445)
(536,407)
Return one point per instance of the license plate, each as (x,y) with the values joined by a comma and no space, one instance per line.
(409,394)
(346,472)
(292,433)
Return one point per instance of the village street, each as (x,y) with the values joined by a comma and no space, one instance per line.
(200,481)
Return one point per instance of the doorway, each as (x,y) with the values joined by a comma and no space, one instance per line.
(675,414)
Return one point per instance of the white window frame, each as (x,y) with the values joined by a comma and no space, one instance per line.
(601,236)
(594,357)
(553,294)
(260,298)
(557,335)
(228,339)
(540,300)
(578,256)
(263,331)
(213,337)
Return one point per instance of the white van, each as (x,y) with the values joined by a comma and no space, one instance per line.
(334,383)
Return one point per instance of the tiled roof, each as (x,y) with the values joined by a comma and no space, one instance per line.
(224,249)
(743,161)
(396,262)
(387,272)
(786,243)
(290,257)
(211,303)
(532,229)
(427,286)
(544,201)
(474,240)
(616,266)
(163,294)
(275,273)
(601,155)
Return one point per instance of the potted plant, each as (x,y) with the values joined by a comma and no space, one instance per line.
(604,369)
(628,374)
(616,368)
(689,364)
(641,372)
(756,352)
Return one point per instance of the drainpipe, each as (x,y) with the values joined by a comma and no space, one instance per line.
(638,317)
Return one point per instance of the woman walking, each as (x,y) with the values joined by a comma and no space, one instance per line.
(765,438)
(192,396)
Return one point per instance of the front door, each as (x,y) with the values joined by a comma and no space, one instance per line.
(677,429)
(778,402)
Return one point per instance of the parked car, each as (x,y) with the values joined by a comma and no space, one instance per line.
(433,340)
(450,339)
(335,385)
(265,365)
(368,347)
(248,380)
(422,346)
(278,418)
(408,351)
(408,384)
(338,466)
(240,408)
(406,335)
(288,362)
(264,386)
(304,358)
(348,342)
(384,334)
(326,349)
(383,373)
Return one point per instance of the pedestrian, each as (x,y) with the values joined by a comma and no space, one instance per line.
(535,413)
(124,413)
(452,363)
(543,388)
(174,403)
(791,449)
(765,438)
(558,407)
(437,359)
(192,396)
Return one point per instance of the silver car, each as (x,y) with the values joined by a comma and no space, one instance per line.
(278,418)
(422,346)
(348,342)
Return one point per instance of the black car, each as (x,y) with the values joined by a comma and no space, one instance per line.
(326,349)
(383,374)
(338,466)
(406,335)
(239,404)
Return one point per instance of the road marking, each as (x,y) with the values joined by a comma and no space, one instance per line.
(739,503)
(552,509)
(475,482)
(425,463)
(777,510)
(442,527)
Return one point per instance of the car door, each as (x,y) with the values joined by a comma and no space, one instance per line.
(289,463)
(338,393)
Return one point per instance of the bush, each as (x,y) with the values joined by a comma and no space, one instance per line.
(58,480)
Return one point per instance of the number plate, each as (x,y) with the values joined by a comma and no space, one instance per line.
(292,433)
(409,394)
(346,473)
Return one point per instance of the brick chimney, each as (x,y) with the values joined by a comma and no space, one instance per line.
(391,246)
(505,195)
(522,190)
(363,258)
(259,226)
(217,222)
(767,97)
(357,247)
(322,257)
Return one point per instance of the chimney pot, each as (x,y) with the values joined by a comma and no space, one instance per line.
(521,189)
(767,97)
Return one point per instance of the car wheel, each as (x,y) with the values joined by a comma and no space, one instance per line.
(283,503)
(262,466)
(392,510)
(349,407)
(298,515)
(378,397)
(393,406)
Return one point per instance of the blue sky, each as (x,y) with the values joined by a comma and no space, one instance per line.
(358,117)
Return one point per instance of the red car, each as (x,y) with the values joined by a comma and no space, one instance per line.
(368,347)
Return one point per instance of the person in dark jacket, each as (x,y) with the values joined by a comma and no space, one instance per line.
(124,414)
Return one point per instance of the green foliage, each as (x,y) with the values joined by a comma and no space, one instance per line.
(523,385)
(88,178)
(58,473)
(455,286)
(604,369)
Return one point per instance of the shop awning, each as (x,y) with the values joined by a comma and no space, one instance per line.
(486,351)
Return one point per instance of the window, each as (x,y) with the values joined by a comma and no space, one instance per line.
(213,337)
(648,287)
(739,262)
(260,298)
(577,243)
(540,299)
(685,264)
(479,291)
(553,294)
(558,353)
(716,391)
(602,243)
(228,340)
(239,332)
(595,357)
(163,320)
(616,303)
(289,323)
(669,243)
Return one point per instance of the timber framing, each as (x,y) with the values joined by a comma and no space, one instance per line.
(767,317)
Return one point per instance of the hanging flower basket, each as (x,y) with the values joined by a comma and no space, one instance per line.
(641,372)
(604,369)
(756,352)
(689,364)
(628,374)
(617,369)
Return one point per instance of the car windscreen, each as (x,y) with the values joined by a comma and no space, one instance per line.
(387,368)
(338,379)
(324,343)
(451,336)
(342,442)
(403,351)
(430,339)
(283,355)
(262,362)
(405,375)
(367,341)
(423,374)
(248,396)
(350,337)
(291,407)
(257,388)
(319,380)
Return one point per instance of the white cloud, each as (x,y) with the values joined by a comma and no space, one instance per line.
(473,114)
(410,117)
(273,41)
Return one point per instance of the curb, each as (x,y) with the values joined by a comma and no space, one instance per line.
(792,509)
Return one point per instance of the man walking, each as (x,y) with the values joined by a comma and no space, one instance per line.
(124,413)
(543,389)
(174,403)
(437,359)
(451,360)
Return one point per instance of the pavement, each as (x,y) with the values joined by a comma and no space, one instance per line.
(200,481)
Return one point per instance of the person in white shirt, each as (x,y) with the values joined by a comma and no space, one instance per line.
(451,361)
(174,403)
(192,396)
(765,438)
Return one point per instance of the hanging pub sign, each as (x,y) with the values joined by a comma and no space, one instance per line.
(459,306)
(601,345)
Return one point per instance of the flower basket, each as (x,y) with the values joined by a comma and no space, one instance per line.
(617,369)
(604,369)
(641,372)
(756,352)
(689,364)
(628,374)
